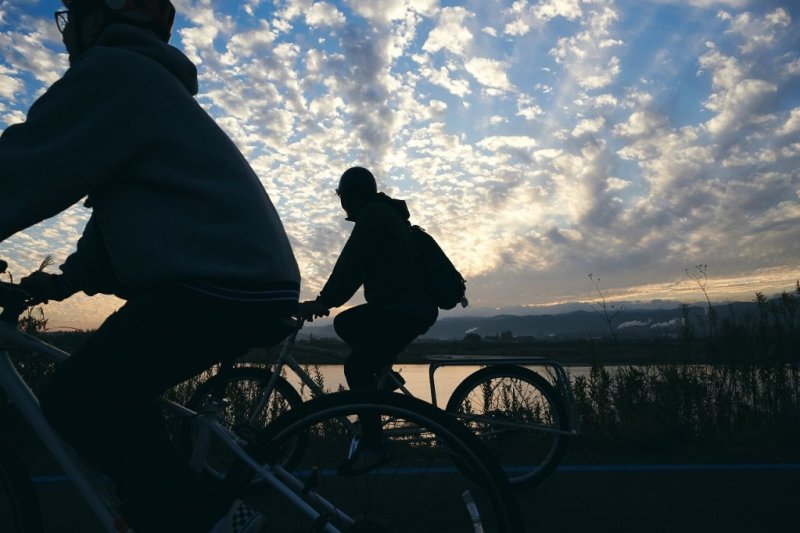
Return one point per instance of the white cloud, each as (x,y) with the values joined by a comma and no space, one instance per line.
(527,108)
(586,55)
(757,32)
(525,17)
(708,3)
(248,44)
(616,184)
(14,117)
(442,78)
(546,153)
(599,78)
(585,126)
(517,27)
(324,14)
(792,124)
(250,6)
(736,99)
(489,72)
(500,142)
(386,11)
(792,150)
(737,106)
(24,50)
(198,38)
(451,32)
(548,9)
(9,86)
(640,123)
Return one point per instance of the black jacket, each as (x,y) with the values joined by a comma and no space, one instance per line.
(380,254)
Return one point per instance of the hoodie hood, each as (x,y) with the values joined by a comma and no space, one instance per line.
(398,205)
(147,43)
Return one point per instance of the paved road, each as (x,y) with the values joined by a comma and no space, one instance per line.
(597,499)
(673,501)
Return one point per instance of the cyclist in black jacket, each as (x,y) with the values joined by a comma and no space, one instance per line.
(380,255)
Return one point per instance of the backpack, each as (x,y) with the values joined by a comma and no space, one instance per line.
(443,283)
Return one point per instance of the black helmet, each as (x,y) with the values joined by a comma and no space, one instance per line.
(357,181)
(157,15)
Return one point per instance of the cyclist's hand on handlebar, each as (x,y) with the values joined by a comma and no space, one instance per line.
(311,309)
(43,287)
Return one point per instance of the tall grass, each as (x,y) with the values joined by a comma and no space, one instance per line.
(745,405)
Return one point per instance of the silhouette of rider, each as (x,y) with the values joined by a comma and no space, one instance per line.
(380,255)
(181,228)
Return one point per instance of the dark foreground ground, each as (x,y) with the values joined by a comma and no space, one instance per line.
(613,499)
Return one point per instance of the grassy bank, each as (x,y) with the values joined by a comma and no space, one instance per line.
(725,389)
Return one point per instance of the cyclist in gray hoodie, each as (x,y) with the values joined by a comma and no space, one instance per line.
(181,228)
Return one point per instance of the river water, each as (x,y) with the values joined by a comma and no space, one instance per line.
(447,378)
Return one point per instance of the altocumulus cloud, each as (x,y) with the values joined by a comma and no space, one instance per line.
(537,140)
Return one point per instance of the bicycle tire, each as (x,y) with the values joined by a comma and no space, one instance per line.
(19,506)
(509,394)
(421,488)
(242,393)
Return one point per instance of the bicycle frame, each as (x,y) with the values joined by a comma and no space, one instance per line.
(85,480)
(286,359)
(93,487)
(388,379)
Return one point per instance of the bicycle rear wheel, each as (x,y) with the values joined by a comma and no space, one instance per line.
(435,476)
(518,415)
(19,506)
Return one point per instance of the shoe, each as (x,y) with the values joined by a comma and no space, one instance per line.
(362,459)
(240,519)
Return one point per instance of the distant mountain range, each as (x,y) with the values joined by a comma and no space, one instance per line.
(630,323)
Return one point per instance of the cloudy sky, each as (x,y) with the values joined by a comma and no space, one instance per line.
(539,141)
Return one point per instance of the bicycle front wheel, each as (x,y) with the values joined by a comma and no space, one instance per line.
(19,507)
(247,408)
(431,475)
(520,418)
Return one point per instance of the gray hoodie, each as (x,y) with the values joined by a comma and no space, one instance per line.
(173,198)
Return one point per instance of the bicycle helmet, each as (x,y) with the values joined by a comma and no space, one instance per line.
(357,181)
(158,15)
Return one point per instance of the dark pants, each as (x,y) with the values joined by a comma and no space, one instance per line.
(101,398)
(375,337)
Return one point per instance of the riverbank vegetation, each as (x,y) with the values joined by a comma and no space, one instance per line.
(742,403)
(723,389)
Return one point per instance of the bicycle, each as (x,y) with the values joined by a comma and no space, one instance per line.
(524,419)
(436,466)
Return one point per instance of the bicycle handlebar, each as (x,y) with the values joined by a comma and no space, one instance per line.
(13,300)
